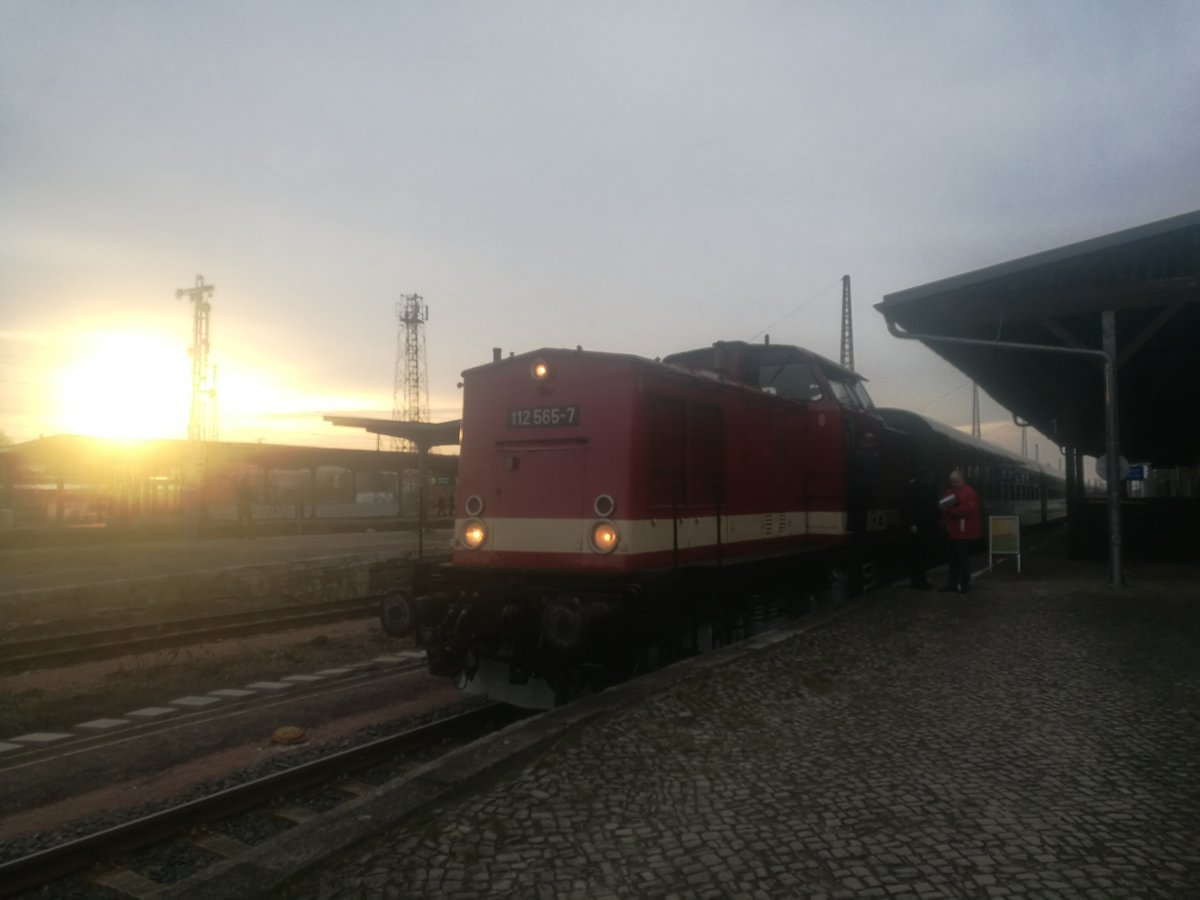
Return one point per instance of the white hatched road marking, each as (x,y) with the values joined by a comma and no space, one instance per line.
(102,724)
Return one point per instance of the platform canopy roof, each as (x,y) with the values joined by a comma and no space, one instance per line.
(1148,276)
(423,434)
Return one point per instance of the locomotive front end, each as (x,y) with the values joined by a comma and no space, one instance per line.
(536,588)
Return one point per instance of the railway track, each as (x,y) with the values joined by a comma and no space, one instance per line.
(106,853)
(361,676)
(57,650)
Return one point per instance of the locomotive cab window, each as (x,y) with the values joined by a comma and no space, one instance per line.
(844,395)
(860,391)
(794,381)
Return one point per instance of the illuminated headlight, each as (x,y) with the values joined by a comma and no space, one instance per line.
(604,537)
(540,370)
(474,534)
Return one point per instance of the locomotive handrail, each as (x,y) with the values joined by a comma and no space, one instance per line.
(1112,458)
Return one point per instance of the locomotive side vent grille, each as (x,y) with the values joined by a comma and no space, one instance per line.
(774,524)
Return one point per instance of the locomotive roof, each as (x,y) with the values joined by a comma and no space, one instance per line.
(524,358)
(703,359)
(709,358)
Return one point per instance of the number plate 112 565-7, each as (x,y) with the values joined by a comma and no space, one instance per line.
(543,416)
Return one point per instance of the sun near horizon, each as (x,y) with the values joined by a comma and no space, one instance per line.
(123,386)
(132,385)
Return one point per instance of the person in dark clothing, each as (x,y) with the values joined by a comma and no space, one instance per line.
(920,514)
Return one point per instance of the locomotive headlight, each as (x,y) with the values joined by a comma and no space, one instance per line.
(474,534)
(540,371)
(604,537)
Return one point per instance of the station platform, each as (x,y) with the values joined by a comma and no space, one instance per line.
(1038,737)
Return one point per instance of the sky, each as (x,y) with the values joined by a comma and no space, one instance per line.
(640,177)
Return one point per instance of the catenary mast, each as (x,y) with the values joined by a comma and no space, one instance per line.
(847,357)
(410,388)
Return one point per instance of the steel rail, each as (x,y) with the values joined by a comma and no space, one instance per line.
(86,646)
(55,863)
(38,755)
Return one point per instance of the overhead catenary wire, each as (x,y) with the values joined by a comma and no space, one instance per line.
(942,396)
(784,318)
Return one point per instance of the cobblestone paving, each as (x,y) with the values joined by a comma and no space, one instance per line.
(1034,739)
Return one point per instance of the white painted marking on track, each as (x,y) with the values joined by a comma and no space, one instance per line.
(102,724)
(41,737)
(152,712)
(271,685)
(5,746)
(195,702)
(233,693)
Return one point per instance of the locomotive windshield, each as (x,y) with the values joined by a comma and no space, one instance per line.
(794,381)
(860,391)
(851,394)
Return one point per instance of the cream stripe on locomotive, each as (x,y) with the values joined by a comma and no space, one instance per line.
(656,535)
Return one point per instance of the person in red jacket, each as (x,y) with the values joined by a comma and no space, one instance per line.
(960,517)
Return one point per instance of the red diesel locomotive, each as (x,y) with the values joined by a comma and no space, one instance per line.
(615,512)
(614,508)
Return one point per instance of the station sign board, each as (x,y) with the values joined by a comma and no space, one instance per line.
(1004,538)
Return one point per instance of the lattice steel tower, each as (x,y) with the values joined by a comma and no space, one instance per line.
(410,389)
(976,428)
(204,392)
(847,357)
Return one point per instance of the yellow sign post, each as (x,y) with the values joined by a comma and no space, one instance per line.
(1004,538)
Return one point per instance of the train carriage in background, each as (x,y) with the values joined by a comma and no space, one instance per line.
(1007,484)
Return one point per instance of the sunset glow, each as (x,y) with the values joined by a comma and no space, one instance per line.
(125,386)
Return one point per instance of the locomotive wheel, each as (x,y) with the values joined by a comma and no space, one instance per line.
(398,614)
